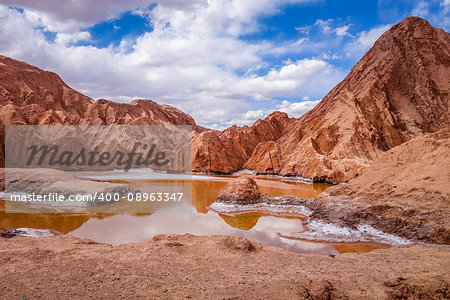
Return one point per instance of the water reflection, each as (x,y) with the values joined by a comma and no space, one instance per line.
(194,218)
(120,229)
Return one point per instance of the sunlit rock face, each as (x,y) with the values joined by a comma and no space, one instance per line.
(31,96)
(242,190)
(229,150)
(397,91)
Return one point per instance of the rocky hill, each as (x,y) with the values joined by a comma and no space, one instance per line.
(229,150)
(29,95)
(399,90)
(405,192)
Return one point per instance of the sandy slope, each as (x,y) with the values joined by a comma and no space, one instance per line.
(406,192)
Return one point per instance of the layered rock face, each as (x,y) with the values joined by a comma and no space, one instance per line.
(229,150)
(397,91)
(29,95)
(400,89)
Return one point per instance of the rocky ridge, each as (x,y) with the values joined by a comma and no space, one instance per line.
(399,90)
(29,95)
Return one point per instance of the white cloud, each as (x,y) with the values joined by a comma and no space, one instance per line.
(439,18)
(71,38)
(365,40)
(293,109)
(296,109)
(70,16)
(342,31)
(422,9)
(325,25)
(191,58)
(306,76)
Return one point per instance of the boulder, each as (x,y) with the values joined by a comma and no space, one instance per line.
(242,190)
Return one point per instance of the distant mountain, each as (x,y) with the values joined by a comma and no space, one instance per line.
(229,150)
(29,95)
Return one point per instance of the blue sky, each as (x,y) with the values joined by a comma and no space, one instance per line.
(223,61)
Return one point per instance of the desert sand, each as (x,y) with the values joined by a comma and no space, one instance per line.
(214,267)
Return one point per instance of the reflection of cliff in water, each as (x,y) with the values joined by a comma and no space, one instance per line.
(204,193)
(248,220)
(62,223)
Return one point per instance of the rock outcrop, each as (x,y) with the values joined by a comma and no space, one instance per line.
(242,194)
(399,90)
(29,95)
(242,190)
(405,192)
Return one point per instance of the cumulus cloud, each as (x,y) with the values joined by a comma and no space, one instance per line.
(293,109)
(296,109)
(300,77)
(191,58)
(65,39)
(365,40)
(70,16)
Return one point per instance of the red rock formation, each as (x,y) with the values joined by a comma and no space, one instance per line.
(397,91)
(29,95)
(229,150)
(405,192)
(242,190)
